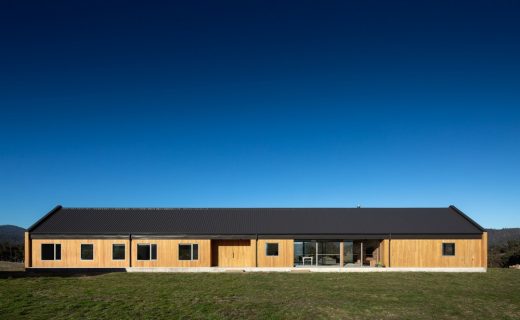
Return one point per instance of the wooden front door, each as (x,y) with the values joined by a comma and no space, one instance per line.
(232,253)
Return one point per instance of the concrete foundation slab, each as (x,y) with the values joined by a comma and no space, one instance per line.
(302,270)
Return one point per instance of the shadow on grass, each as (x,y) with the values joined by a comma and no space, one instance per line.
(66,273)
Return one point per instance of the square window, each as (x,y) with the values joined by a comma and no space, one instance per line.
(146,252)
(271,249)
(448,249)
(57,251)
(195,252)
(184,251)
(143,252)
(188,251)
(47,251)
(154,251)
(87,252)
(118,252)
(51,251)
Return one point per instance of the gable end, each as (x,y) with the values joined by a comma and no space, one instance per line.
(45,217)
(467,218)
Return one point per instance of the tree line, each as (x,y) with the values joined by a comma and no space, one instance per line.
(10,251)
(504,255)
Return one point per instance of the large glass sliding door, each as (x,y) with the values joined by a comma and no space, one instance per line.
(361,252)
(305,253)
(328,253)
(348,252)
(316,253)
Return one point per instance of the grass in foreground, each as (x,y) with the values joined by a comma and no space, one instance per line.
(492,295)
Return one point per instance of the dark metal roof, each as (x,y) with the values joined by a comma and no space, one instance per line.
(251,221)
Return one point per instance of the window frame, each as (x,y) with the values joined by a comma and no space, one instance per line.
(150,251)
(124,251)
(54,246)
(267,249)
(191,245)
(81,251)
(444,244)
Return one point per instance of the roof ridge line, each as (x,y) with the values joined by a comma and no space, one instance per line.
(237,208)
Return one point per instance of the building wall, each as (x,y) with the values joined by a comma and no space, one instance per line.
(27,250)
(285,256)
(168,253)
(70,254)
(394,253)
(428,253)
(484,262)
(233,253)
(384,248)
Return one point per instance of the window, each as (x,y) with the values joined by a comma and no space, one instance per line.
(118,252)
(146,252)
(57,251)
(51,251)
(448,249)
(271,249)
(87,252)
(188,251)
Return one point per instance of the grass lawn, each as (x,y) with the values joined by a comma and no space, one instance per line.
(492,295)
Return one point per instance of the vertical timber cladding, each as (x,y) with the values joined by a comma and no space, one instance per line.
(251,253)
(233,253)
(27,250)
(428,253)
(285,256)
(484,249)
(385,252)
(71,254)
(168,253)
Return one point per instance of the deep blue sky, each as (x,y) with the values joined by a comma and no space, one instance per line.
(196,104)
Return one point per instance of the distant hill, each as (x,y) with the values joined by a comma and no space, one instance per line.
(499,237)
(12,234)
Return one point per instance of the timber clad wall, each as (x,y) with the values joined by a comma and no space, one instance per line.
(484,249)
(233,253)
(385,250)
(227,253)
(71,250)
(168,253)
(428,253)
(27,250)
(244,253)
(285,256)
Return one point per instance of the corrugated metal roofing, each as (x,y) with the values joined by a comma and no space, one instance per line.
(243,221)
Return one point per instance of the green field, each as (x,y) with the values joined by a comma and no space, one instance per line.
(493,295)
